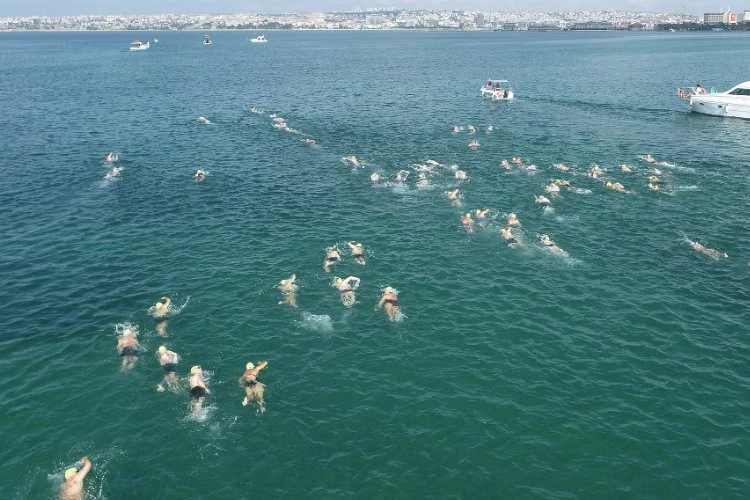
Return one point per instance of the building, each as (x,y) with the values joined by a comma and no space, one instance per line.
(720,18)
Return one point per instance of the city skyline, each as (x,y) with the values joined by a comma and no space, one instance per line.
(55,8)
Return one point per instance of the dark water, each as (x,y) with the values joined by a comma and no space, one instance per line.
(618,370)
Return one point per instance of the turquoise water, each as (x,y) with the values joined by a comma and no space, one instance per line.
(618,370)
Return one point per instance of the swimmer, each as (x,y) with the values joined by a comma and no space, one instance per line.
(505,164)
(473,144)
(481,216)
(562,183)
(279,125)
(198,389)
(653,187)
(561,167)
(375,177)
(389,301)
(159,312)
(625,168)
(203,120)
(256,111)
(531,169)
(401,175)
(309,141)
(128,347)
(490,129)
(111,157)
(433,163)
(288,289)
(358,252)
(508,236)
(422,180)
(168,361)
(351,160)
(114,172)
(595,172)
(616,186)
(468,222)
(542,200)
(654,179)
(517,160)
(655,171)
(550,245)
(456,129)
(253,387)
(346,288)
(199,175)
(552,189)
(461,175)
(72,488)
(649,158)
(513,220)
(278,119)
(332,257)
(714,254)
(453,195)
(471,129)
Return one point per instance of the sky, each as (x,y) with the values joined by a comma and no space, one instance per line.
(80,7)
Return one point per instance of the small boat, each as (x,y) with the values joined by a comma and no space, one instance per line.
(735,102)
(136,45)
(497,90)
(259,39)
(207,40)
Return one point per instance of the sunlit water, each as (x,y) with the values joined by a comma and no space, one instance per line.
(616,369)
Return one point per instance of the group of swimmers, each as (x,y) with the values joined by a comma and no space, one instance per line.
(345,286)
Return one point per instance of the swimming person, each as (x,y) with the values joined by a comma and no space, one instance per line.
(473,144)
(198,389)
(128,347)
(168,361)
(714,254)
(550,245)
(375,177)
(72,488)
(625,168)
(467,222)
(111,157)
(358,252)
(332,257)
(507,234)
(253,387)
(159,312)
(203,120)
(481,216)
(346,288)
(615,186)
(649,158)
(513,220)
(401,175)
(113,172)
(453,195)
(199,175)
(461,175)
(288,289)
(389,301)
(542,200)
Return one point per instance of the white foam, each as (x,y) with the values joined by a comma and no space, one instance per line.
(316,322)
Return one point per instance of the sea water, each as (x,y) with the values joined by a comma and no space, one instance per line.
(615,369)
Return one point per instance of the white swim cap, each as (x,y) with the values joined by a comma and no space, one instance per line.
(249,366)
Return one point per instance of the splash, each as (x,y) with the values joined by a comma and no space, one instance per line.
(316,322)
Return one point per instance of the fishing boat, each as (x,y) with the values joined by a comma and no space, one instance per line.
(207,40)
(734,102)
(259,39)
(497,90)
(137,45)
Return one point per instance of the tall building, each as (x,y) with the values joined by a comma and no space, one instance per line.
(720,17)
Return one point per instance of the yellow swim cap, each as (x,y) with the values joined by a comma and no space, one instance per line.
(249,366)
(162,349)
(195,369)
(70,472)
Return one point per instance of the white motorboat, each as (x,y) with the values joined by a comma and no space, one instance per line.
(734,102)
(136,45)
(259,39)
(207,40)
(497,90)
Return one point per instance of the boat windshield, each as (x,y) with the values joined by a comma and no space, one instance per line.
(740,92)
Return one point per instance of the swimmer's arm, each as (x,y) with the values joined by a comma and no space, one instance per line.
(380,304)
(260,366)
(84,470)
(353,281)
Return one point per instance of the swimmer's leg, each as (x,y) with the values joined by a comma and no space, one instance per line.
(259,395)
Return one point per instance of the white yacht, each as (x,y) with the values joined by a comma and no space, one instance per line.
(136,45)
(497,90)
(207,40)
(259,39)
(734,102)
